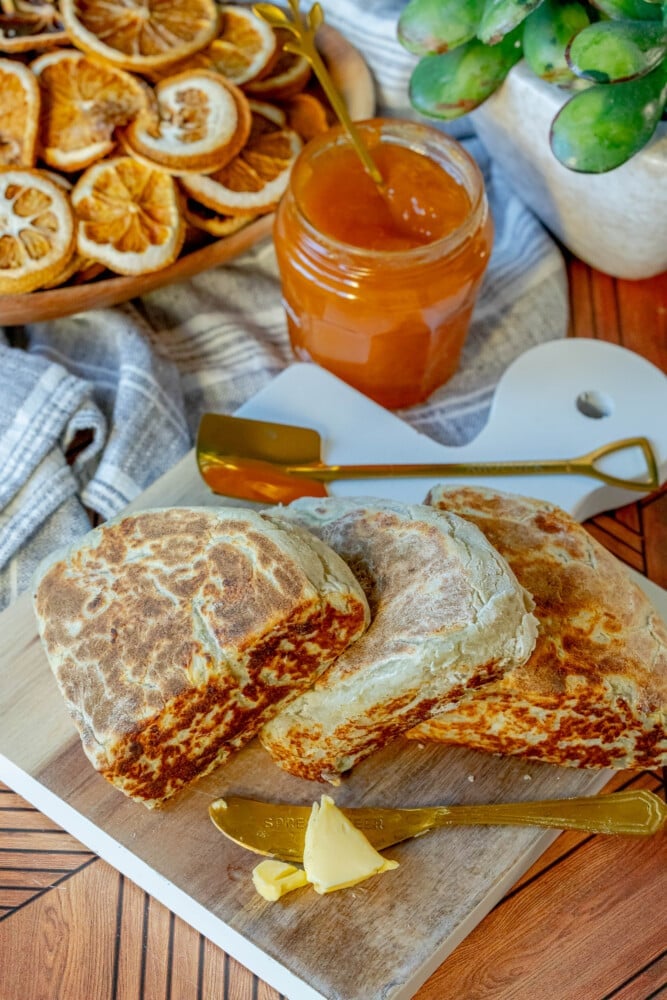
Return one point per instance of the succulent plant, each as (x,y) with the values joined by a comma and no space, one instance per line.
(611,55)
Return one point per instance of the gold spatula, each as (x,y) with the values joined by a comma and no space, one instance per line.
(278,830)
(277,463)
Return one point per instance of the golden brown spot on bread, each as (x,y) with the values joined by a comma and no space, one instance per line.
(430,582)
(219,719)
(174,634)
(391,574)
(594,691)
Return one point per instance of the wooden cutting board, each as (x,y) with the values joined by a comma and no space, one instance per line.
(379,940)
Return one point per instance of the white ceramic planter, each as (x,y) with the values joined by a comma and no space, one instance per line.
(616,222)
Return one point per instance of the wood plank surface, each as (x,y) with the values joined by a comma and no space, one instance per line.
(586,922)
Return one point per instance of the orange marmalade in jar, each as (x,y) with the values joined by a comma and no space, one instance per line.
(379,285)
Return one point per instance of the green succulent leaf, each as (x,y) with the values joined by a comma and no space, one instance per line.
(629,10)
(453,83)
(427,27)
(547,32)
(602,127)
(617,50)
(502,16)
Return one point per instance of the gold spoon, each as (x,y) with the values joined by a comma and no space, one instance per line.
(303,45)
(277,463)
(278,830)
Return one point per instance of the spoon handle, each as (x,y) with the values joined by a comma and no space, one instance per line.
(303,29)
(585,465)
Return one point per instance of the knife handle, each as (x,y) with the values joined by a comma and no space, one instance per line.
(631,812)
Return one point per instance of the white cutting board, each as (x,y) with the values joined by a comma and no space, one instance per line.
(392,932)
(534,415)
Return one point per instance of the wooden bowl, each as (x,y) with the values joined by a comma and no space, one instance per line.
(352,78)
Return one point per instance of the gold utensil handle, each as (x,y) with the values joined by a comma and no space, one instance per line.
(633,812)
(303,29)
(585,465)
(278,829)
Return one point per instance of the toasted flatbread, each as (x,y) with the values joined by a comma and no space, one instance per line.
(447,616)
(174,634)
(594,691)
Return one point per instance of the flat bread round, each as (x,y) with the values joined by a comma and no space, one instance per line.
(174,634)
(594,691)
(447,615)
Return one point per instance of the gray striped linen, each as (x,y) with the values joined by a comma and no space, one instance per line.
(138,376)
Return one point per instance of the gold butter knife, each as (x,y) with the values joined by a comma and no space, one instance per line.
(278,829)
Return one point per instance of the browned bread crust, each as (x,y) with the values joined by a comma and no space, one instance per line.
(447,615)
(174,634)
(594,691)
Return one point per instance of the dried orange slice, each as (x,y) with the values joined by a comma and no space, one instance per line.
(212,222)
(245,49)
(76,272)
(70,268)
(140,34)
(37,235)
(255,180)
(289,74)
(30,25)
(83,101)
(19,114)
(201,123)
(59,179)
(88,271)
(129,216)
(306,115)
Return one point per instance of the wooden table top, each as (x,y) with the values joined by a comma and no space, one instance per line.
(586,922)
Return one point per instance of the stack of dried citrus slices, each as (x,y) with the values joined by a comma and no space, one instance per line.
(127,127)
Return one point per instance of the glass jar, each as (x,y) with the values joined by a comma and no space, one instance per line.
(385,315)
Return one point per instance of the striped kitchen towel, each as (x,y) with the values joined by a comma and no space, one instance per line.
(138,377)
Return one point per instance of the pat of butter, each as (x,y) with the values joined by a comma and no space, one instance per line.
(336,854)
(273,879)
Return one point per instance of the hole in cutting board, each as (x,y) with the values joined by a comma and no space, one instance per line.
(594,404)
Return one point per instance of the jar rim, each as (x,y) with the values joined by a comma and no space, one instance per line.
(420,138)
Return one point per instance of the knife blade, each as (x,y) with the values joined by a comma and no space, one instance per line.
(278,829)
